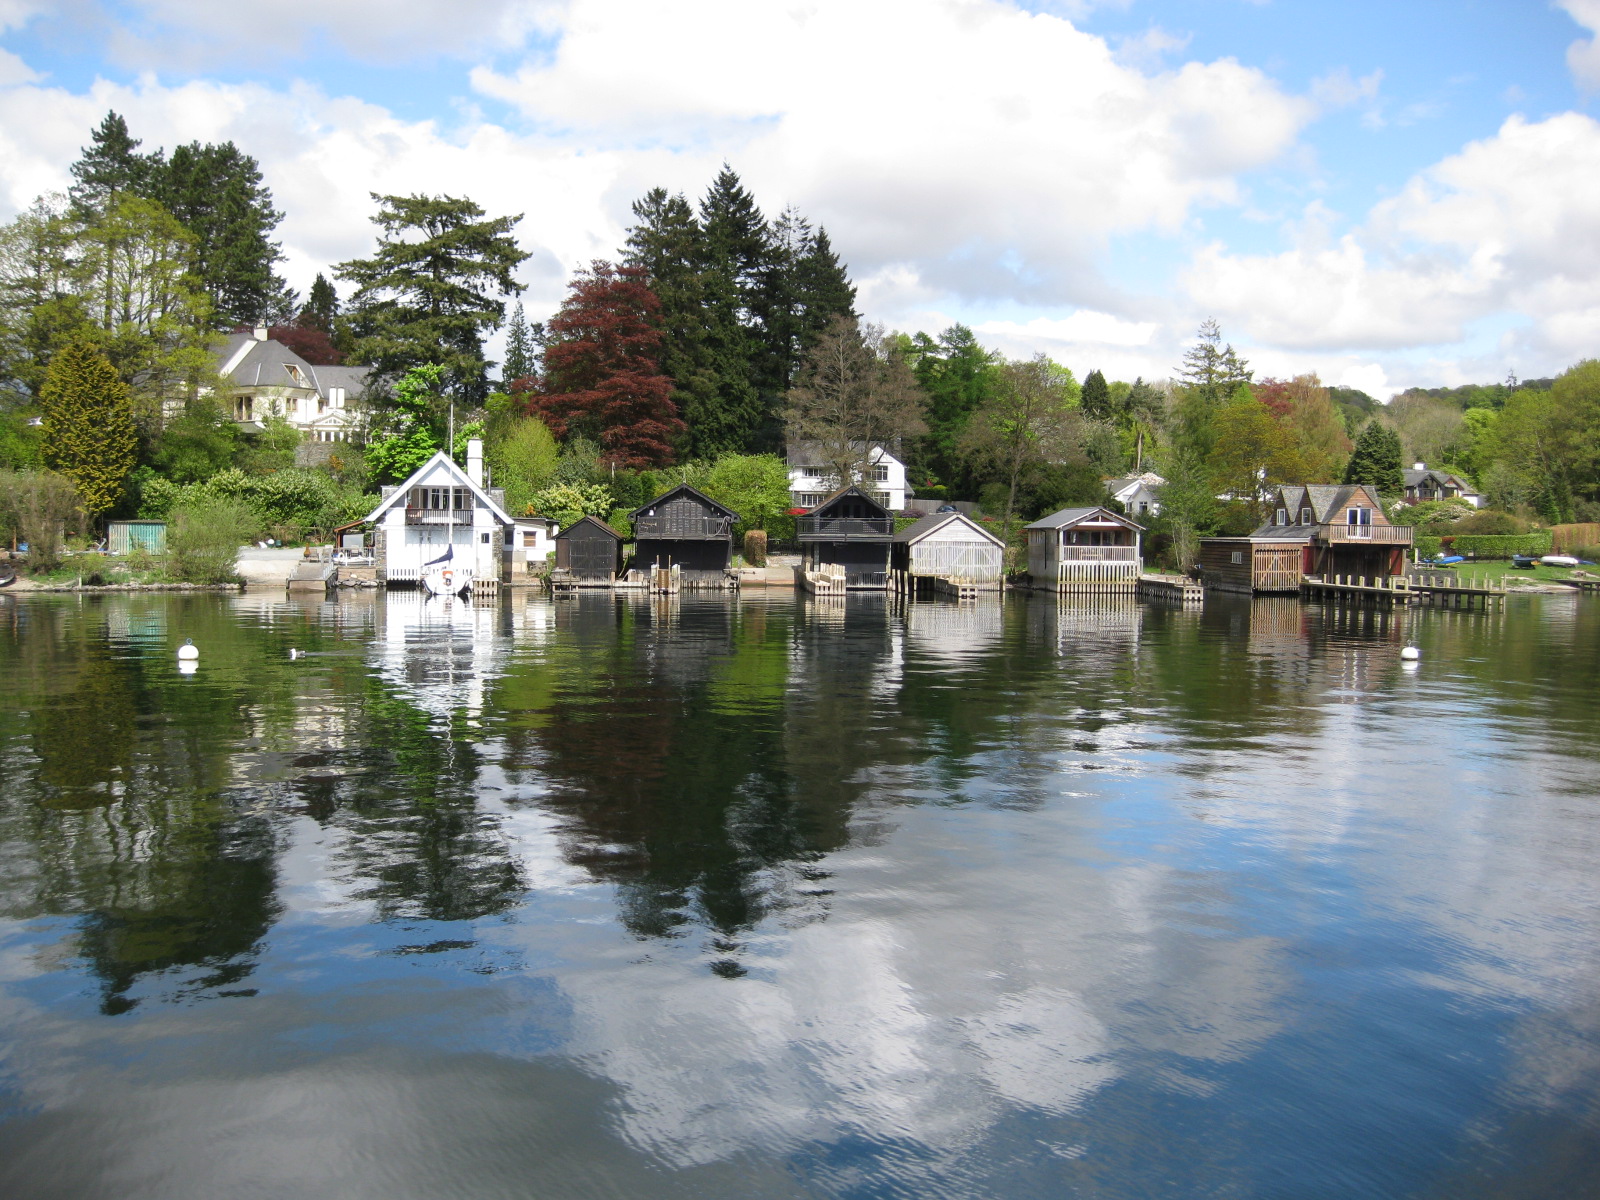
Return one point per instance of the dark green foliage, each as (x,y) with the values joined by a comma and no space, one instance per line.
(321,310)
(1049,487)
(521,351)
(1096,397)
(197,444)
(428,293)
(1489,521)
(958,375)
(110,165)
(1485,545)
(1354,407)
(1376,460)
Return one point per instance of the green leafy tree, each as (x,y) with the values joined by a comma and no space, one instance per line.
(35,507)
(1575,398)
(88,430)
(1253,453)
(1376,460)
(756,486)
(412,428)
(427,296)
(958,375)
(1211,374)
(523,456)
(1031,420)
(197,444)
(569,502)
(1188,503)
(521,350)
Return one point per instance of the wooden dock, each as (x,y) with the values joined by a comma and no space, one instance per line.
(1178,588)
(1583,585)
(827,581)
(1449,590)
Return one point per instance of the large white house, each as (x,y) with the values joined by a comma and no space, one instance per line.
(810,484)
(263,378)
(441,505)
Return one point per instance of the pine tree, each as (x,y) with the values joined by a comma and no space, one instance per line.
(109,166)
(1376,460)
(958,375)
(88,429)
(1096,398)
(520,349)
(321,309)
(1211,370)
(427,295)
(736,256)
(602,369)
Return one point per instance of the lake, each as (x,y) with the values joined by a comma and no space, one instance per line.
(773,896)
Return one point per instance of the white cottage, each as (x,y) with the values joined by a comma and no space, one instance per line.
(1084,550)
(810,483)
(441,505)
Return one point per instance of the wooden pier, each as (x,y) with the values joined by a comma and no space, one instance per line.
(1178,588)
(1583,585)
(1449,590)
(827,580)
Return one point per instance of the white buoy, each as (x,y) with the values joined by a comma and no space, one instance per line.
(188,651)
(187,666)
(294,654)
(1410,654)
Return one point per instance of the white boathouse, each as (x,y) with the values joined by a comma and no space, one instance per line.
(441,505)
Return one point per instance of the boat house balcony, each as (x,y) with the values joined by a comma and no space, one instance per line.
(1129,554)
(439,516)
(1387,535)
(679,528)
(813,528)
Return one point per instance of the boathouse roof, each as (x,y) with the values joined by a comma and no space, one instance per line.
(920,529)
(457,476)
(688,490)
(1068,517)
(591,520)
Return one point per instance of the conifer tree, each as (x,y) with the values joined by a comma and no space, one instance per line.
(1096,397)
(1376,460)
(428,293)
(109,166)
(520,349)
(88,428)
(321,309)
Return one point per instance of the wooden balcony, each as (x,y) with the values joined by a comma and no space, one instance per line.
(438,516)
(685,529)
(1099,554)
(1366,535)
(844,529)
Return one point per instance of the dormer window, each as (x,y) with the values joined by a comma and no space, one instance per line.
(1283,517)
(1307,517)
(296,374)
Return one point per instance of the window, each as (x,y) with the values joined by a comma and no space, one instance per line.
(1307,517)
(1237,557)
(1358,516)
(880,473)
(1283,517)
(484,538)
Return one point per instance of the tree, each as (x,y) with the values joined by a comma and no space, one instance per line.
(1096,398)
(1305,408)
(216,193)
(855,396)
(1376,460)
(110,166)
(321,309)
(89,434)
(427,295)
(958,375)
(1188,503)
(197,444)
(411,429)
(1253,453)
(522,454)
(756,486)
(35,506)
(520,348)
(1575,396)
(1211,375)
(308,342)
(1030,419)
(602,369)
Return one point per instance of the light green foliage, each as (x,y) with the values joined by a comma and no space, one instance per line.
(411,430)
(19,440)
(88,430)
(567,502)
(756,486)
(203,539)
(36,507)
(270,450)
(428,293)
(292,501)
(959,376)
(1252,453)
(522,457)
(1030,419)
(1188,503)
(464,434)
(197,444)
(1431,512)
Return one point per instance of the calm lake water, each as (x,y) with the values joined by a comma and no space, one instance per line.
(776,897)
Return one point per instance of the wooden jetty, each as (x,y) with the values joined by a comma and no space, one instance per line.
(827,579)
(963,589)
(1449,590)
(1178,588)
(1583,585)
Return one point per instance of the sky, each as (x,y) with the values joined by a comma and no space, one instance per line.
(1388,194)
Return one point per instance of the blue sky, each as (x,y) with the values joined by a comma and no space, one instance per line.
(1386,194)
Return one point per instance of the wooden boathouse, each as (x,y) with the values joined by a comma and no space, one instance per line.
(588,552)
(687,529)
(847,537)
(1318,530)
(1084,550)
(946,546)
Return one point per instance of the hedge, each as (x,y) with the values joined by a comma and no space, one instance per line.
(1487,545)
(1575,537)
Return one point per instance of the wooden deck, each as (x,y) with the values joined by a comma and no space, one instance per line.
(827,580)
(1583,585)
(1179,588)
(1448,590)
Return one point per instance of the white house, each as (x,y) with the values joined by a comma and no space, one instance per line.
(529,545)
(441,505)
(263,378)
(1140,494)
(810,483)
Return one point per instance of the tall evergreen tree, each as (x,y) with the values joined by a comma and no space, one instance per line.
(321,309)
(1096,397)
(520,349)
(110,165)
(1213,371)
(428,293)
(959,376)
(88,429)
(1376,460)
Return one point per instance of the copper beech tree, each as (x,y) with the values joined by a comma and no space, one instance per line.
(602,375)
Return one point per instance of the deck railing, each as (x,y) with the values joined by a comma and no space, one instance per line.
(1383,535)
(844,529)
(438,516)
(686,528)
(1099,554)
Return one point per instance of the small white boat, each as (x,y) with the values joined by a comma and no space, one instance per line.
(442,577)
(1560,560)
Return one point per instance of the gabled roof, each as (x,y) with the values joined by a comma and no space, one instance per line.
(1125,483)
(805,454)
(920,529)
(1323,499)
(692,491)
(248,361)
(845,491)
(596,522)
(1414,477)
(461,479)
(1068,517)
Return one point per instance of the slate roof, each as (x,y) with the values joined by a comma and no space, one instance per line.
(462,479)
(595,521)
(845,491)
(1071,516)
(1325,500)
(1414,478)
(693,491)
(922,527)
(268,364)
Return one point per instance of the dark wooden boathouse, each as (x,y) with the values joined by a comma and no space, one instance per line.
(687,529)
(848,530)
(589,551)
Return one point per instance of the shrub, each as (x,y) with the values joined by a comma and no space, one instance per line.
(1486,545)
(1567,538)
(1434,512)
(203,539)
(755,547)
(36,507)
(1489,521)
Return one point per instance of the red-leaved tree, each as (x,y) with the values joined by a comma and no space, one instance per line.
(602,369)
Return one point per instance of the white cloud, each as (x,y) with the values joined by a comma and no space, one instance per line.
(1583,56)
(1504,227)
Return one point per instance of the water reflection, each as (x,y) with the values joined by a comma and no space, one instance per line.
(775,895)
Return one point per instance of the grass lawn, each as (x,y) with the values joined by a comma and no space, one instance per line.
(1497,569)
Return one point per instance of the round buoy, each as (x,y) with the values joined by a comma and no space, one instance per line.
(187,666)
(1411,654)
(188,651)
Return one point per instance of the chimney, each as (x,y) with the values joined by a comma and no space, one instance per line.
(261,333)
(475,460)
(1419,466)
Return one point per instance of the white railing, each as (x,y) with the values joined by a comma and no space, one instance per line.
(1099,554)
